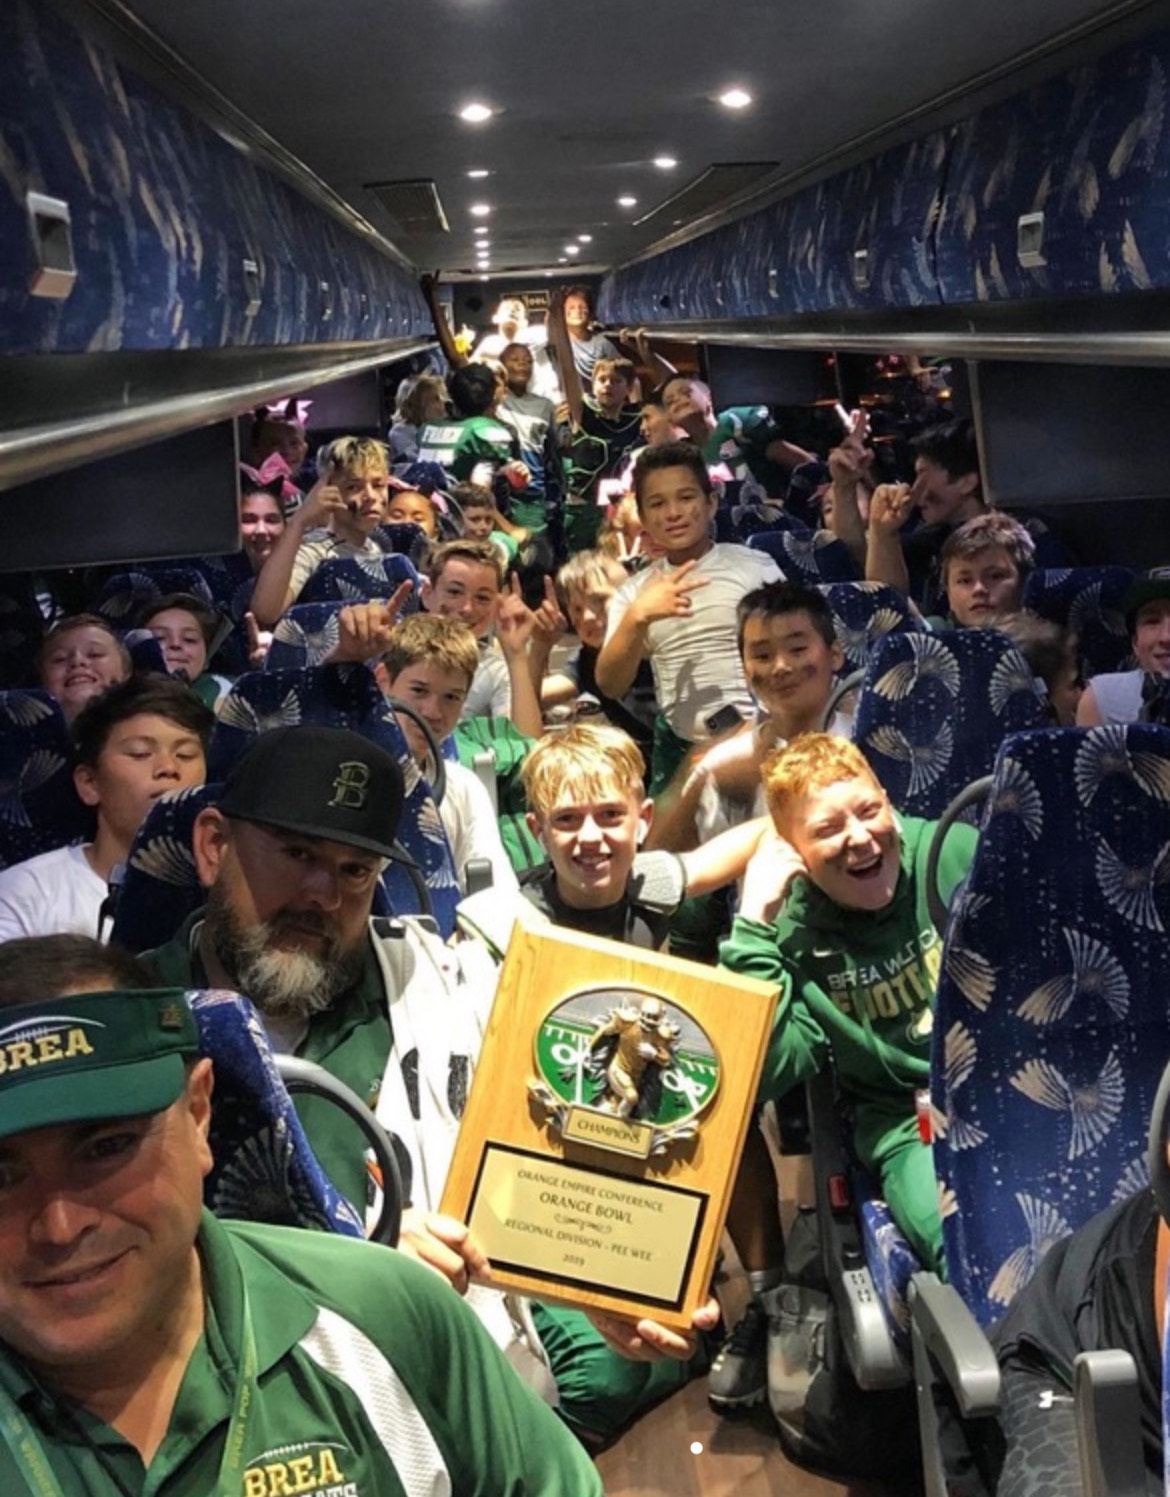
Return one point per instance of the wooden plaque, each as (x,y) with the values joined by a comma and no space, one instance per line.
(600,1143)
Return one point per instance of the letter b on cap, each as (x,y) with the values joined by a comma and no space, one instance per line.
(350,788)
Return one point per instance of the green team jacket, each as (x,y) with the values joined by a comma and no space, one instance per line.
(374,1381)
(856,984)
(351,1039)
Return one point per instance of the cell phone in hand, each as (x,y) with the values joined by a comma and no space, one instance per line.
(724,720)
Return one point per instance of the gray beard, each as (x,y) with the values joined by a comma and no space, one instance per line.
(283,984)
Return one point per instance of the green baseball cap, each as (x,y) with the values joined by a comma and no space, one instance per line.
(93,1056)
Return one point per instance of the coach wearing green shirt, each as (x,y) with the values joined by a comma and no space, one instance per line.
(146,1347)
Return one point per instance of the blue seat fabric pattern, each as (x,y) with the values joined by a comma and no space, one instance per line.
(263,1168)
(1052,1026)
(934,708)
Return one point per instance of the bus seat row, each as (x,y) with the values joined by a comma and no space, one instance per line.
(1050,1036)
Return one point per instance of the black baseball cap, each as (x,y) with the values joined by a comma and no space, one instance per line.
(322,782)
(1148,589)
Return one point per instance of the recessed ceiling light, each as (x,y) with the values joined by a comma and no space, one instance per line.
(562,260)
(479,171)
(665,163)
(626,201)
(482,229)
(480,210)
(476,114)
(585,238)
(572,249)
(735,98)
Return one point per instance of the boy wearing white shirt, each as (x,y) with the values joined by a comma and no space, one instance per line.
(680,612)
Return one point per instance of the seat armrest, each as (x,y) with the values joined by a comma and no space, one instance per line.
(1107,1408)
(873,1357)
(483,762)
(956,1344)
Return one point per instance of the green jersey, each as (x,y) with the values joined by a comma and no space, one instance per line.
(460,446)
(371,1379)
(856,984)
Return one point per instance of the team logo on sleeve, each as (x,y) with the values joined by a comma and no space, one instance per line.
(308,1469)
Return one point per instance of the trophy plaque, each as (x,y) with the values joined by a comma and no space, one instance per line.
(600,1143)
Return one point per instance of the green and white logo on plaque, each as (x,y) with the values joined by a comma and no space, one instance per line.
(624,1069)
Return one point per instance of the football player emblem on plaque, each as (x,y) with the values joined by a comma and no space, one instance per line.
(623,1069)
(599,1146)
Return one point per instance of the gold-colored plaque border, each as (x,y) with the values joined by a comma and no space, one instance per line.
(559,1279)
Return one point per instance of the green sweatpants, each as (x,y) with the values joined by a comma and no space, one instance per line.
(910,1189)
(600,1391)
(666,755)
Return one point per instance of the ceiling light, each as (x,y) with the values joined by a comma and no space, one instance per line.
(480,210)
(572,249)
(626,201)
(479,171)
(562,260)
(665,163)
(482,229)
(585,238)
(476,114)
(735,98)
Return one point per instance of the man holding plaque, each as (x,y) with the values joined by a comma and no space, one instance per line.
(290,856)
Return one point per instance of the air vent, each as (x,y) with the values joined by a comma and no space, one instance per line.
(717,187)
(414,206)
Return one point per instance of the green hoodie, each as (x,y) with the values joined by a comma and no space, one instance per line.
(856,984)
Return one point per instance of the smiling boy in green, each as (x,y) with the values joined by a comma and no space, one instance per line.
(834,911)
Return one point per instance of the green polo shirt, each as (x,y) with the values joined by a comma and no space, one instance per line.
(373,1379)
(350,1039)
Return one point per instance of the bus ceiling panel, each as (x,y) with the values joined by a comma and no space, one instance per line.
(1056,191)
(584,107)
(799,255)
(174,498)
(64,410)
(177,238)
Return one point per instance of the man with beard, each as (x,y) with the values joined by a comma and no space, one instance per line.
(290,857)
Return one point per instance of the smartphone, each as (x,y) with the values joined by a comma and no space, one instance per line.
(724,720)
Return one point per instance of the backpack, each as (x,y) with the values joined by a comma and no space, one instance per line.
(824,1419)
